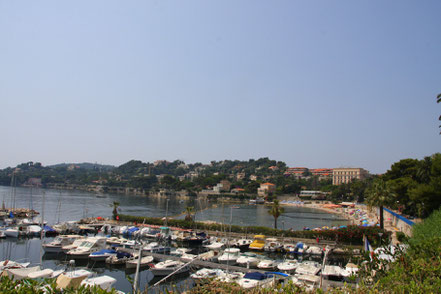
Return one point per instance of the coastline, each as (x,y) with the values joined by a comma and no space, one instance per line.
(353,215)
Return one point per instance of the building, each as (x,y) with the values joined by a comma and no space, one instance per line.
(347,174)
(266,189)
(322,173)
(296,171)
(240,176)
(223,186)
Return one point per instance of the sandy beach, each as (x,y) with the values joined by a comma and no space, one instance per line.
(355,215)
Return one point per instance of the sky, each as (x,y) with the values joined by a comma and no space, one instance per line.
(321,84)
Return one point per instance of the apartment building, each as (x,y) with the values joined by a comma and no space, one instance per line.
(345,175)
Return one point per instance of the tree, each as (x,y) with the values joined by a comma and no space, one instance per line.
(115,205)
(438,100)
(189,211)
(379,194)
(276,210)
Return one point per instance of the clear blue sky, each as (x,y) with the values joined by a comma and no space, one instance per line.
(311,83)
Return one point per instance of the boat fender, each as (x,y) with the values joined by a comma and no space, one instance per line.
(151,265)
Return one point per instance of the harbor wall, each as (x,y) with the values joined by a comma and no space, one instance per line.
(398,221)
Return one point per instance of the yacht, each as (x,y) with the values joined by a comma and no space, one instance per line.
(308,267)
(314,250)
(56,245)
(167,267)
(102,254)
(88,246)
(104,282)
(249,259)
(75,244)
(243,244)
(288,266)
(272,245)
(258,243)
(256,279)
(267,264)
(334,273)
(310,282)
(230,256)
(206,273)
(145,261)
(155,247)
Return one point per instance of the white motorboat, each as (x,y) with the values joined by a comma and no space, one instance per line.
(256,279)
(155,247)
(7,264)
(41,274)
(334,273)
(102,254)
(230,256)
(289,248)
(267,264)
(33,230)
(249,259)
(63,240)
(75,244)
(205,274)
(243,244)
(78,273)
(314,250)
(145,261)
(272,245)
(288,266)
(119,258)
(20,273)
(351,268)
(104,282)
(112,241)
(88,246)
(307,281)
(308,267)
(215,245)
(167,267)
(179,251)
(12,232)
(229,277)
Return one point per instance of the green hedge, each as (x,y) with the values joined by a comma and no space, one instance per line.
(349,235)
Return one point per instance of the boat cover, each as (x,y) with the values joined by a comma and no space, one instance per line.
(48,229)
(123,254)
(256,276)
(104,251)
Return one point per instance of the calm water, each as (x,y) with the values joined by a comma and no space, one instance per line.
(74,205)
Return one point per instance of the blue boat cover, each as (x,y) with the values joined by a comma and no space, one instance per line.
(256,276)
(104,251)
(48,229)
(131,230)
(277,273)
(123,254)
(299,245)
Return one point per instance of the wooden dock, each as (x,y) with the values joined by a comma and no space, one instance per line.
(204,264)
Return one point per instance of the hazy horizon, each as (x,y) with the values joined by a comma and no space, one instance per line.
(310,83)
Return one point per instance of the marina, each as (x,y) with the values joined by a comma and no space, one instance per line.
(95,252)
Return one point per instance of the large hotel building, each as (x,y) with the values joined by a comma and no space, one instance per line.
(346,175)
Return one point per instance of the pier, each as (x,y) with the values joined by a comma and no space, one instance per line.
(203,263)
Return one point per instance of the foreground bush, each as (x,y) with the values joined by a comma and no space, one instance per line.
(48,286)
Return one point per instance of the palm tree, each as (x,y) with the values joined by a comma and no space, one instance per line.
(276,210)
(379,194)
(189,212)
(115,206)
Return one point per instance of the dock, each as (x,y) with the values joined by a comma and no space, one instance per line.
(204,264)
